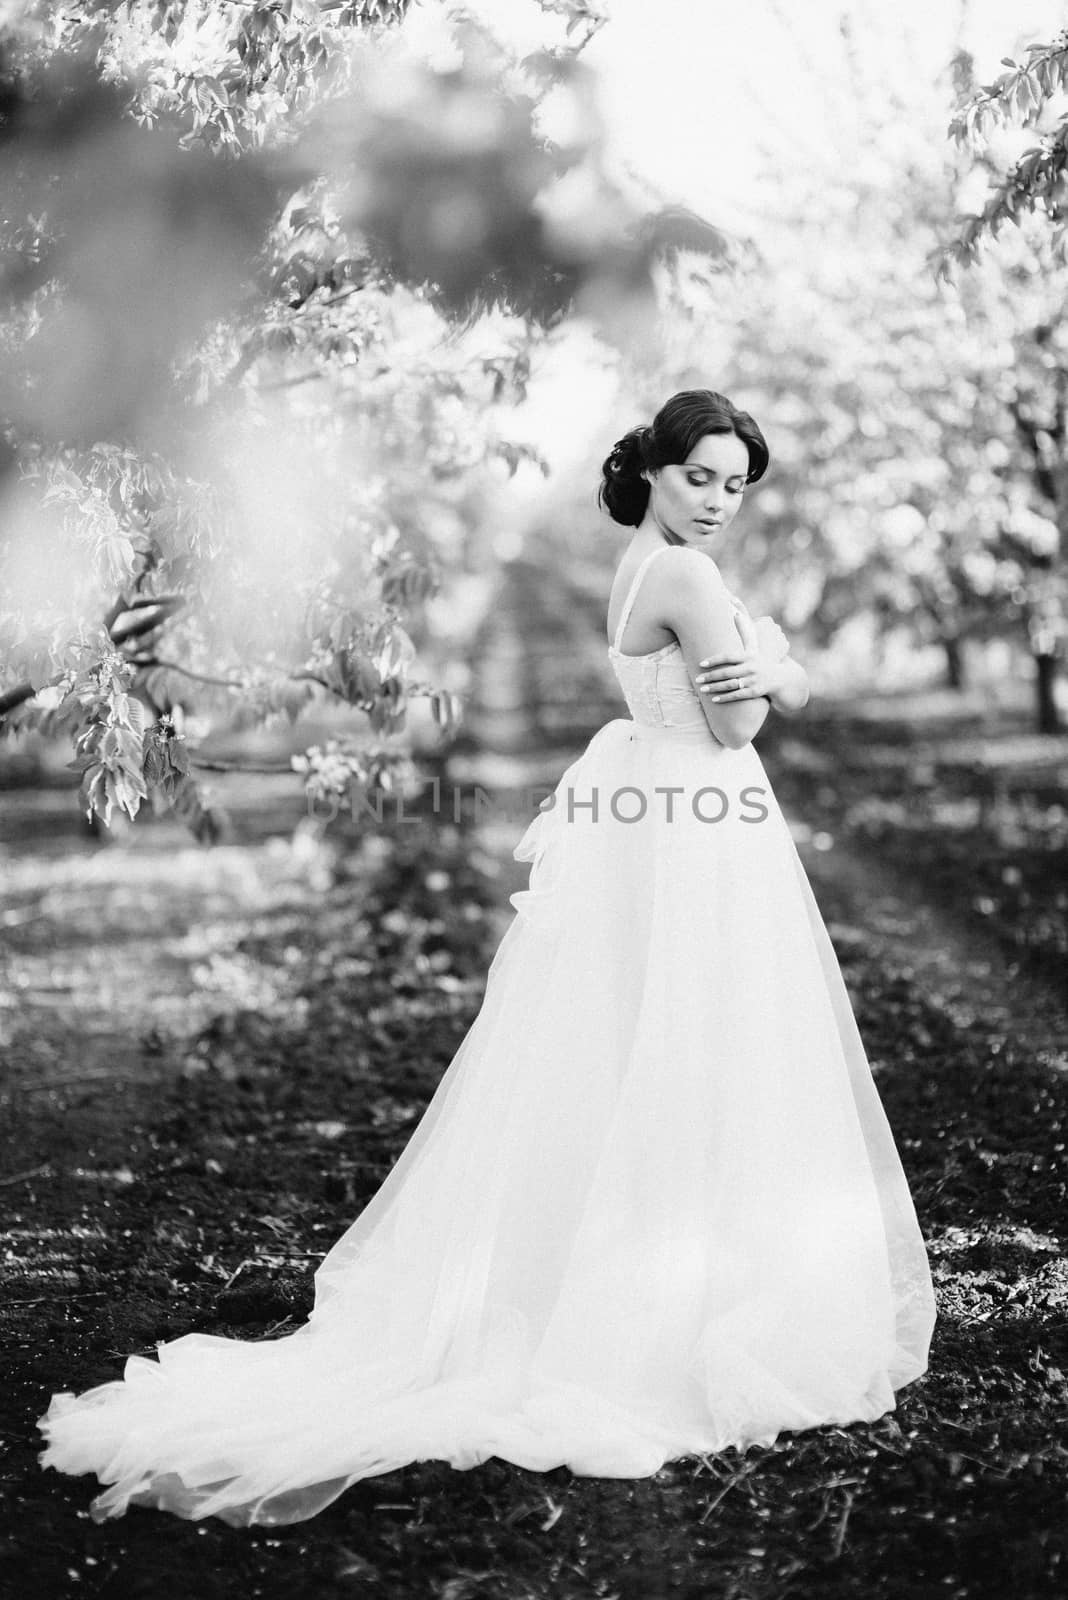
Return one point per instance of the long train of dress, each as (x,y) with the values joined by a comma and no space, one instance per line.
(654,1207)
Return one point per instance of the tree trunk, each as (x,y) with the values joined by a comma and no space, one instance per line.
(1045,677)
(954,662)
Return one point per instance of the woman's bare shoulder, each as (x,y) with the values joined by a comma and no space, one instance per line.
(687,572)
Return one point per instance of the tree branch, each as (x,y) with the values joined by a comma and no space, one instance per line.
(1029,432)
(176,666)
(144,624)
(16,697)
(241,766)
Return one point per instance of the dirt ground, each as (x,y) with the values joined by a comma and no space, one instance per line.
(210,1060)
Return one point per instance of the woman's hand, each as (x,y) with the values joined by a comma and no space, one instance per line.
(752,672)
(772,639)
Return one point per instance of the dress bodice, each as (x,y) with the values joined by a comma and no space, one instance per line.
(657,686)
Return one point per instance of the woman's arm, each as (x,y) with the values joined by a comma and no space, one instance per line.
(698,610)
(762,670)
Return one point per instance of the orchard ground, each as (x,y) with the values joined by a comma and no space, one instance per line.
(212,1057)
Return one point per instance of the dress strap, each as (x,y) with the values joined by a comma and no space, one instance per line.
(632,595)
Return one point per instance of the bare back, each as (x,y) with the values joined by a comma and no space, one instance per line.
(644,632)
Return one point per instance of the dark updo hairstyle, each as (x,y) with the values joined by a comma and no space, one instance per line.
(675,430)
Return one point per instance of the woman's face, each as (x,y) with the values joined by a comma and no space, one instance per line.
(696,500)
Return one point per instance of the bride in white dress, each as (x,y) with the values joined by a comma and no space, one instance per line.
(654,1207)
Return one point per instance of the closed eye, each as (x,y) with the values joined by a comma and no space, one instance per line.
(732,488)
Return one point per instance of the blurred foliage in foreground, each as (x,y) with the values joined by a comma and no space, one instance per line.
(268,274)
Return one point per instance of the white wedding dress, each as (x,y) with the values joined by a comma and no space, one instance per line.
(654,1207)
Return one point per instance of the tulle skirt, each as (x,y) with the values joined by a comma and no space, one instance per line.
(653,1209)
